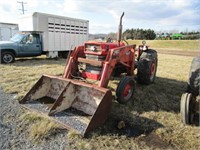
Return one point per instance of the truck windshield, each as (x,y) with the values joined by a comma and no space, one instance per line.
(17,38)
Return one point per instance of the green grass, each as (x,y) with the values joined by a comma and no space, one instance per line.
(184,45)
(20,76)
(152,119)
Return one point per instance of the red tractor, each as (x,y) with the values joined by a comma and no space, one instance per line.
(80,99)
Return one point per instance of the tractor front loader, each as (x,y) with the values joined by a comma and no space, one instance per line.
(80,100)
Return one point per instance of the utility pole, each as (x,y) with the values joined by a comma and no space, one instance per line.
(22,6)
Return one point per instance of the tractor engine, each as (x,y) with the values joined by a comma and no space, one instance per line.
(96,51)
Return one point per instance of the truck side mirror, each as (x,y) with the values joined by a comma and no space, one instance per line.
(23,42)
(143,42)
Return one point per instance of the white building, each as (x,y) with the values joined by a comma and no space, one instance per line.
(7,30)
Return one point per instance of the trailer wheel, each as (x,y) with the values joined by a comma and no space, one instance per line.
(65,54)
(147,67)
(7,57)
(125,89)
(194,77)
(187,108)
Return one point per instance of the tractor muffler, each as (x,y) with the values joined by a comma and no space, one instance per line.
(76,105)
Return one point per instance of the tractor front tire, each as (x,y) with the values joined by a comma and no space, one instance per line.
(186,109)
(147,67)
(194,77)
(7,57)
(125,89)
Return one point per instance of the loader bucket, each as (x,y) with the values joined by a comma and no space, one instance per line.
(76,105)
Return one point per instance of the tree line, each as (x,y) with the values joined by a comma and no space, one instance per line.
(135,34)
(142,34)
(139,34)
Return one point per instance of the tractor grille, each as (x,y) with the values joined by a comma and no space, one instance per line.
(94,53)
(95,57)
(93,48)
(93,69)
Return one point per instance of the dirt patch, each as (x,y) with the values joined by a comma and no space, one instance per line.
(155,142)
(178,52)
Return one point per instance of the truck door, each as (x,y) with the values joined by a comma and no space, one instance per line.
(30,46)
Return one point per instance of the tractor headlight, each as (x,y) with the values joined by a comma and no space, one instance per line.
(93,48)
(144,48)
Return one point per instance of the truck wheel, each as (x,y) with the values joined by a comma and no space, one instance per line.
(125,89)
(7,57)
(147,67)
(187,108)
(194,77)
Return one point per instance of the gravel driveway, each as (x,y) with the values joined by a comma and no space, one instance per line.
(14,134)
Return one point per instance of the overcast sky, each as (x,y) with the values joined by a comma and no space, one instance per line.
(103,15)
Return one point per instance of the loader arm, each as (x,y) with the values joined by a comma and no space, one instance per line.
(72,64)
(124,55)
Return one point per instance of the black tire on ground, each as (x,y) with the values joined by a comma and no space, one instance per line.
(186,109)
(194,77)
(65,54)
(147,67)
(7,57)
(125,89)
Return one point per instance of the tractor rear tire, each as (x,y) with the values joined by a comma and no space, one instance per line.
(125,89)
(186,109)
(194,77)
(147,67)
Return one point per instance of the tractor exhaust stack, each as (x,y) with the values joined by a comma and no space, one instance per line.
(119,36)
